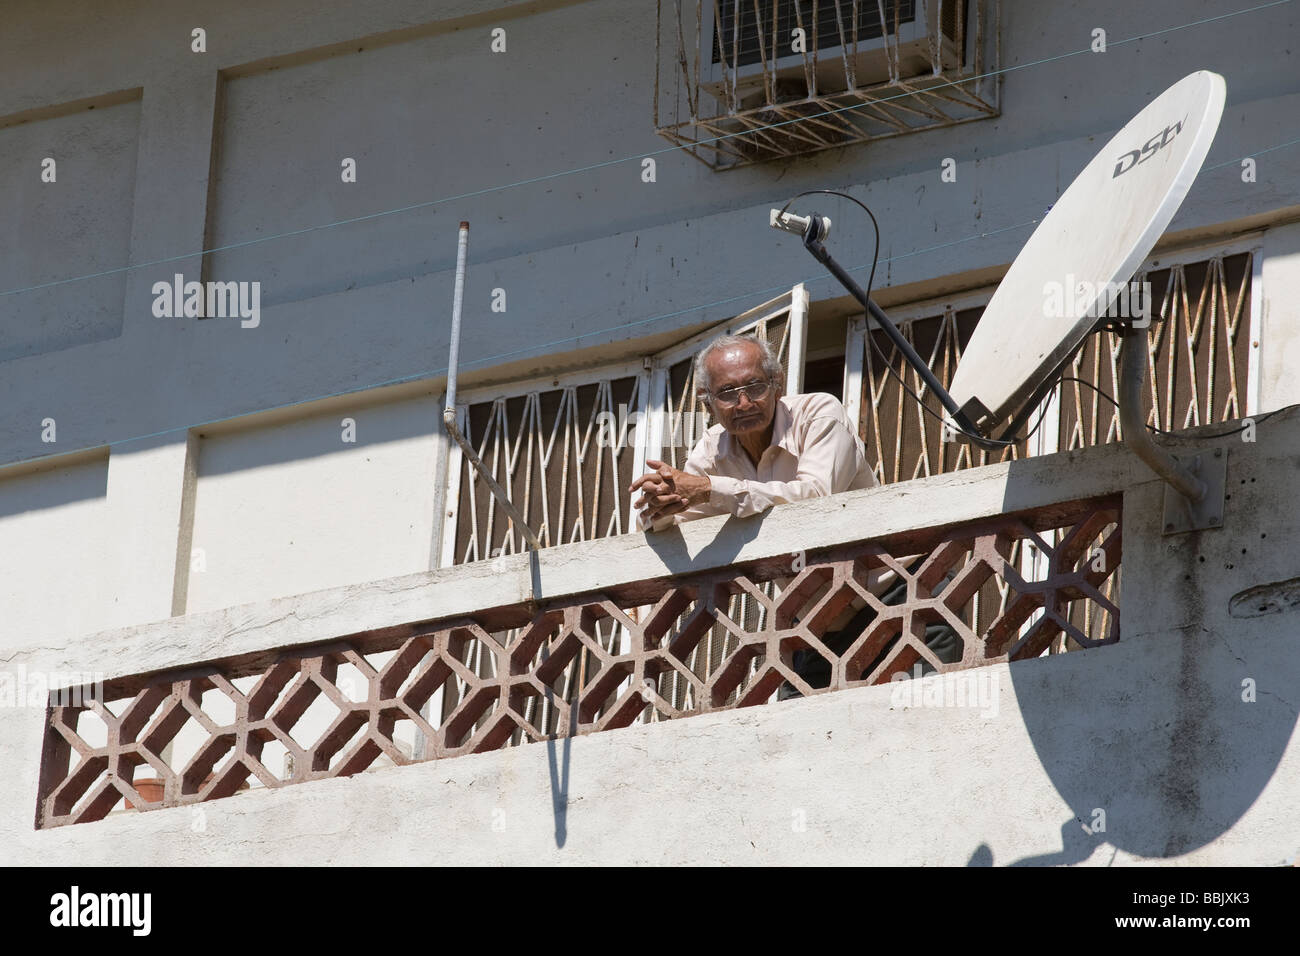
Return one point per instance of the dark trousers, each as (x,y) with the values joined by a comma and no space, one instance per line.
(816,670)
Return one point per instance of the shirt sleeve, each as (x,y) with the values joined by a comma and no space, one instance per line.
(828,462)
(699,458)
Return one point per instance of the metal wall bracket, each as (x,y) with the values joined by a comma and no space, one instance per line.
(1195,484)
(1181,513)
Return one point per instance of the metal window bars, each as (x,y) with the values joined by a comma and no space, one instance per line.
(1200,370)
(745,81)
(1198,354)
(565,448)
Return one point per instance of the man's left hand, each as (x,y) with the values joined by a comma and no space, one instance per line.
(668,490)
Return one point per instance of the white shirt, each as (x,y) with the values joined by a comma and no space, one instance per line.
(815,451)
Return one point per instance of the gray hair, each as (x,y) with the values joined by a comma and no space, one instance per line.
(772,367)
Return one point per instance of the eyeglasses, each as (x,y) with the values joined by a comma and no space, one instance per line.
(731,396)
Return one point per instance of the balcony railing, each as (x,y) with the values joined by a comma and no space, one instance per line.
(600,652)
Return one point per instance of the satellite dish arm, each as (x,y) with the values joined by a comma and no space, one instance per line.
(812,241)
(1133,366)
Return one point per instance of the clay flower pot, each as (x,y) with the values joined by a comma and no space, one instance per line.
(151,789)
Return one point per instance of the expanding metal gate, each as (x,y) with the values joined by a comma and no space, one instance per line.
(565,448)
(1201,369)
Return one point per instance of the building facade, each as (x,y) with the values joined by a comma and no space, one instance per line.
(255,488)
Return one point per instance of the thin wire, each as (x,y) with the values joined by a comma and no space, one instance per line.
(945,422)
(1254,419)
(875,252)
(433,372)
(1042,411)
(429,373)
(637,157)
(1258,152)
(889,366)
(784,287)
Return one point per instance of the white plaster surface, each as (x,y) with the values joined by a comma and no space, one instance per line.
(282,509)
(581,256)
(1154,732)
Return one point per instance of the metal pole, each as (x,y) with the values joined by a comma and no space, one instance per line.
(457,299)
(966,428)
(449,413)
(441,477)
(1133,367)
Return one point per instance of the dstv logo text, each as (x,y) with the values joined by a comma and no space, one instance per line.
(1136,156)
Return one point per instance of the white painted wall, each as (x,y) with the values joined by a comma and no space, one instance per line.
(52,525)
(183,151)
(1155,731)
(291,507)
(78,224)
(188,150)
(581,256)
(1279,345)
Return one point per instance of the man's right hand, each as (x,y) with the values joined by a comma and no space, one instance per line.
(667,490)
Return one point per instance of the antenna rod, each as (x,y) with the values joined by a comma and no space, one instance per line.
(457,299)
(449,413)
(812,241)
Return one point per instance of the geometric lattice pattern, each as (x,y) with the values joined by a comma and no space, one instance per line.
(246,705)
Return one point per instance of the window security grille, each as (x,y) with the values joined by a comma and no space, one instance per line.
(769,24)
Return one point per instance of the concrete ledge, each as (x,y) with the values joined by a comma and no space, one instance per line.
(1179,741)
(573,569)
(852,777)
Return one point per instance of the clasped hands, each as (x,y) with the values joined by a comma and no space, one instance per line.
(668,490)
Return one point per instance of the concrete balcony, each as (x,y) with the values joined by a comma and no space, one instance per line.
(1168,739)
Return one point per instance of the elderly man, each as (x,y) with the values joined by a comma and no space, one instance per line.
(765,449)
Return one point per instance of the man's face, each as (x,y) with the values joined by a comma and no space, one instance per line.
(733,406)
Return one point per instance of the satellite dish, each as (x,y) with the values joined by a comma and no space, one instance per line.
(1084,251)
(1076,264)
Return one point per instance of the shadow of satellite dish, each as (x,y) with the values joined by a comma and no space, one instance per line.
(1150,741)
(1171,706)
(1170,712)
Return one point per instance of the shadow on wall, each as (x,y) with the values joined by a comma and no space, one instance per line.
(373,422)
(47,487)
(560,776)
(1161,743)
